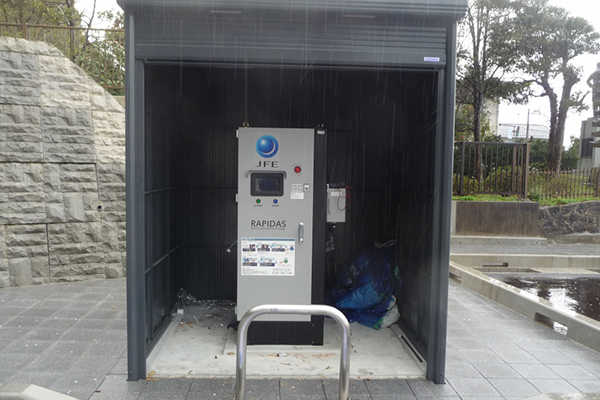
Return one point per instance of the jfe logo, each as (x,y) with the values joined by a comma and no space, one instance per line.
(267,146)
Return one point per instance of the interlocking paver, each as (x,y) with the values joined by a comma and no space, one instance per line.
(79,348)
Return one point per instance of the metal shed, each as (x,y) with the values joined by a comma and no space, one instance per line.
(378,75)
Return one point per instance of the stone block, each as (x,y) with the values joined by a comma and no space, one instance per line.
(11,60)
(21,152)
(77,270)
(25,235)
(66,116)
(4,277)
(22,213)
(29,62)
(112,104)
(2,242)
(74,234)
(72,95)
(87,258)
(55,212)
(40,267)
(20,272)
(98,102)
(26,251)
(56,233)
(18,88)
(113,271)
(74,207)
(22,133)
(113,257)
(59,259)
(75,248)
(110,154)
(51,174)
(69,152)
(78,173)
(30,197)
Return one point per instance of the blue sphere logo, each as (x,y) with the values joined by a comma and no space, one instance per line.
(267,146)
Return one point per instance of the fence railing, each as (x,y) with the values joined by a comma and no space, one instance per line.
(503,168)
(491,168)
(569,184)
(100,52)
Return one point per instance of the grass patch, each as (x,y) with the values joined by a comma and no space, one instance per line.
(486,197)
(559,201)
(556,201)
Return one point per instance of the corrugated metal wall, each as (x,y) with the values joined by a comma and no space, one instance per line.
(289,36)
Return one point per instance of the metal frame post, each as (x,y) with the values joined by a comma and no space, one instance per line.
(314,309)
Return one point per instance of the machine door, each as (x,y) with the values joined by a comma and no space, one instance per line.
(275,218)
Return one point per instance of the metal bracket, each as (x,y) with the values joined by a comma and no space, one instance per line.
(313,309)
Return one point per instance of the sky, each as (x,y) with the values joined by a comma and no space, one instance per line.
(539,114)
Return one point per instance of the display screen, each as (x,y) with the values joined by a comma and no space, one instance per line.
(266,184)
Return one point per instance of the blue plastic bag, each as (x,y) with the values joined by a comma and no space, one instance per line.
(364,291)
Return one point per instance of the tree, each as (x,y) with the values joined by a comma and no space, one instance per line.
(538,154)
(463,126)
(42,12)
(103,57)
(570,157)
(485,57)
(549,40)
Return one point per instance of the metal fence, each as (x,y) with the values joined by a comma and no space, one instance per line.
(100,52)
(490,168)
(503,169)
(569,184)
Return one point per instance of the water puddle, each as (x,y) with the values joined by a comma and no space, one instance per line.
(579,293)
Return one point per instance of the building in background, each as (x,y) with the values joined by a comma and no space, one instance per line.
(589,155)
(491,108)
(510,131)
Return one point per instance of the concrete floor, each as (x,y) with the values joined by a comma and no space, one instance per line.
(199,344)
(71,338)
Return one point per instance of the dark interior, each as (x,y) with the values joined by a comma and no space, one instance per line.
(381,126)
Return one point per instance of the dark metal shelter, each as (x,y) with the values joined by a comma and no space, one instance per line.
(379,75)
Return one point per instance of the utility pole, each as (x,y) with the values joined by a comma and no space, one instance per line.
(527,130)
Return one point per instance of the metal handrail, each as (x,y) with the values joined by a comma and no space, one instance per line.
(314,309)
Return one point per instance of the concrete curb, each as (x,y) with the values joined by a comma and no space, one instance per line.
(497,240)
(19,391)
(581,329)
(527,260)
(563,396)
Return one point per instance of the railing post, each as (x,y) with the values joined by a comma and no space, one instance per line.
(314,309)
(72,44)
(514,172)
(526,171)
(25,30)
(462,169)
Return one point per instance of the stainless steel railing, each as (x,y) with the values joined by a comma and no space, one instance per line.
(314,309)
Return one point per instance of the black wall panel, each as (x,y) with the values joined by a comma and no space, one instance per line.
(381,125)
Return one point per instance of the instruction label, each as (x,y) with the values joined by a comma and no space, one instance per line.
(268,256)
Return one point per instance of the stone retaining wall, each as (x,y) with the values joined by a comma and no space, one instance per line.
(570,218)
(62,170)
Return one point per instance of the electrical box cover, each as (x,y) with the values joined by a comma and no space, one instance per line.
(336,204)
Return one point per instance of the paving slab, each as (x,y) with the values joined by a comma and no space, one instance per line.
(492,353)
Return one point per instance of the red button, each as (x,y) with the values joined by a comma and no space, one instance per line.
(297,169)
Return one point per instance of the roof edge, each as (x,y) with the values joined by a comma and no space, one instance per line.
(445,8)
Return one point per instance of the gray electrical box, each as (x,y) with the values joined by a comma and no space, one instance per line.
(337,200)
(275,216)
